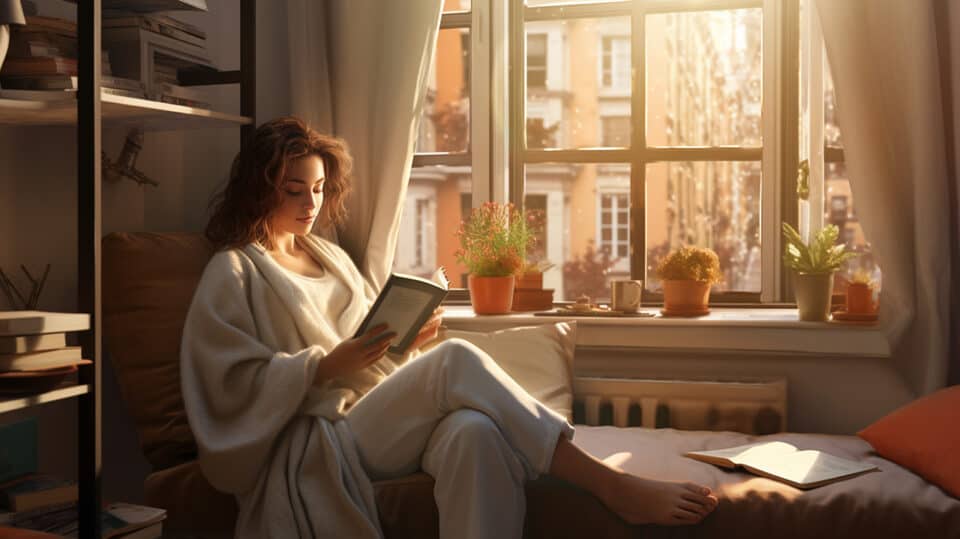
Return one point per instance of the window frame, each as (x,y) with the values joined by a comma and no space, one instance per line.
(497,117)
(777,153)
(484,159)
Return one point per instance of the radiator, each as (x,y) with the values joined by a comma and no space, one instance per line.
(753,406)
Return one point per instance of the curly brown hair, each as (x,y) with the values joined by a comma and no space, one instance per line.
(241,211)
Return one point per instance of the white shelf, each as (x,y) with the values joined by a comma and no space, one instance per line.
(117,111)
(9,404)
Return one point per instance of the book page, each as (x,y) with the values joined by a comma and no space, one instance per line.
(753,453)
(808,467)
(400,310)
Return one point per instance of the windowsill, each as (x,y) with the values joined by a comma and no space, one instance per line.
(724,329)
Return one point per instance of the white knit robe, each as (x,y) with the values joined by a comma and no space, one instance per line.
(265,434)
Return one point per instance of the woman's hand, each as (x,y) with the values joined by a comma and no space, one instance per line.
(429,330)
(354,354)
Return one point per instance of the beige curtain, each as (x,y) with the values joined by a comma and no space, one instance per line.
(891,109)
(359,71)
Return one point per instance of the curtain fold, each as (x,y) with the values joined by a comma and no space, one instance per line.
(359,71)
(887,74)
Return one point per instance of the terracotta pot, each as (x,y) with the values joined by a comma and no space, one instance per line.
(686,297)
(532,279)
(532,299)
(491,295)
(860,298)
(813,291)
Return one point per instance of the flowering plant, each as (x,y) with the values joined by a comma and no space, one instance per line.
(690,264)
(494,240)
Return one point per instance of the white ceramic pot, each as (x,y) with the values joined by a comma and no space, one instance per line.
(813,291)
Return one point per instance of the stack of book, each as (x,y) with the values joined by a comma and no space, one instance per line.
(42,63)
(33,349)
(174,45)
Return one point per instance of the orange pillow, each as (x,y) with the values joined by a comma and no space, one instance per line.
(924,437)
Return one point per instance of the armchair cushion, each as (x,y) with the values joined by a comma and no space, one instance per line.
(148,283)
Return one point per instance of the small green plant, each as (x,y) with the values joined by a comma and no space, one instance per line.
(494,240)
(822,255)
(690,264)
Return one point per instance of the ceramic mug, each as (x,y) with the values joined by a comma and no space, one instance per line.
(625,295)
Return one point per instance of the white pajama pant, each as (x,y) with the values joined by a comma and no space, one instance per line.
(457,415)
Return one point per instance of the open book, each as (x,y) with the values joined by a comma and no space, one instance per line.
(784,462)
(405,304)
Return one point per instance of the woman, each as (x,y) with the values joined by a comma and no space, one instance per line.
(296,418)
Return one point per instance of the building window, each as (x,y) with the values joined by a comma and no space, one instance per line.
(615,62)
(421,230)
(537,60)
(615,225)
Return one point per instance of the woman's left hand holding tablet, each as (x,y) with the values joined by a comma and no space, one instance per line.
(355,354)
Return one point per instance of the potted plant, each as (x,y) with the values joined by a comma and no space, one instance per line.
(814,264)
(860,294)
(687,274)
(493,245)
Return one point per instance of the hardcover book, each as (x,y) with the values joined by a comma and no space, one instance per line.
(784,462)
(14,323)
(405,304)
(22,344)
(33,361)
(33,491)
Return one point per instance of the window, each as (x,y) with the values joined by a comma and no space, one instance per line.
(615,226)
(689,87)
(615,62)
(443,163)
(422,231)
(537,60)
(642,126)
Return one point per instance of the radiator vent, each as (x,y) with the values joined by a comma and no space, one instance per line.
(749,406)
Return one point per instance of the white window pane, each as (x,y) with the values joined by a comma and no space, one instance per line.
(445,120)
(585,79)
(715,205)
(431,214)
(704,78)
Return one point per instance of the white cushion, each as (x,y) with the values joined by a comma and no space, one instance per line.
(539,358)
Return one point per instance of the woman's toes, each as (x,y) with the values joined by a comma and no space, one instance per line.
(693,507)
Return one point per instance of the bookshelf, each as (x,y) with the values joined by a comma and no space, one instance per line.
(117,111)
(11,404)
(90,110)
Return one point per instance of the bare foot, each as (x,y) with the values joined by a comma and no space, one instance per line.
(646,501)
